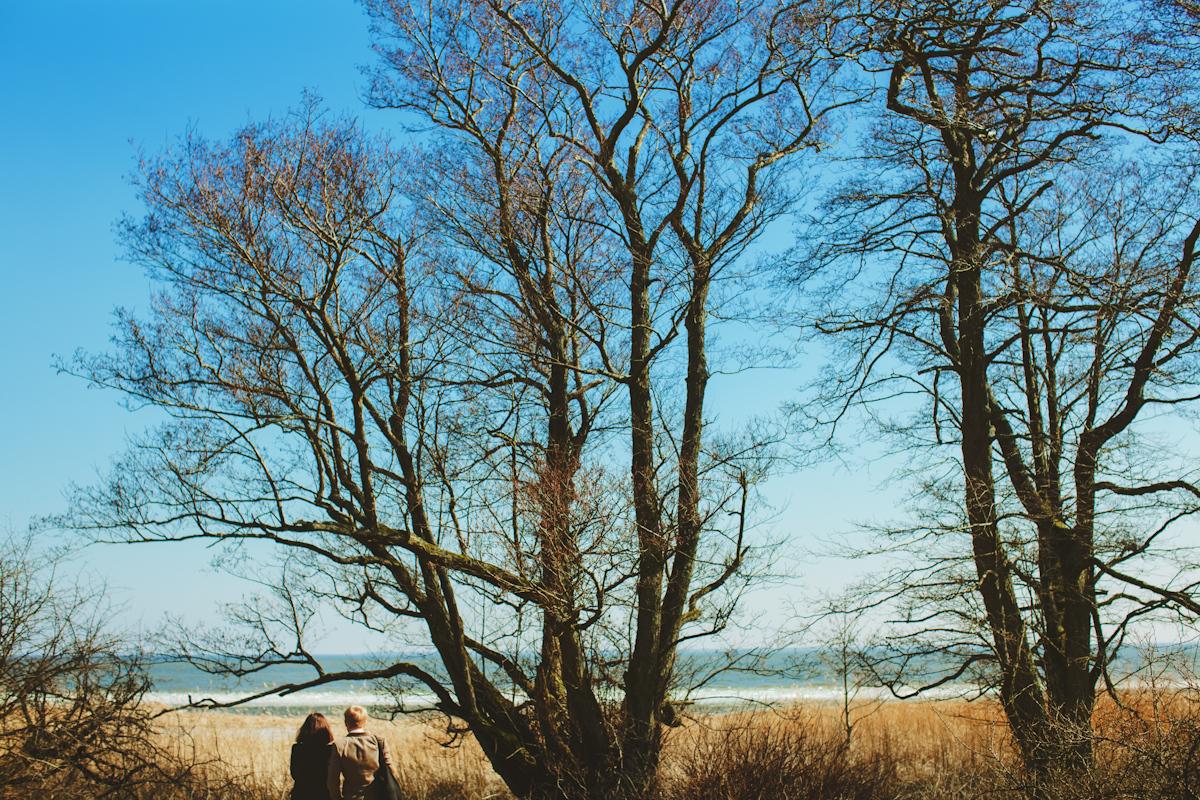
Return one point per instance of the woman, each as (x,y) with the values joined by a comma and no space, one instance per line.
(310,759)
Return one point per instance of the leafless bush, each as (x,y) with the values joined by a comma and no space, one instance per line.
(72,722)
(1146,745)
(764,758)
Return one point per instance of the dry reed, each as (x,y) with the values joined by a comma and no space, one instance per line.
(927,741)
(1145,747)
(257,748)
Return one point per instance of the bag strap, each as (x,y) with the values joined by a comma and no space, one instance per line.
(379,750)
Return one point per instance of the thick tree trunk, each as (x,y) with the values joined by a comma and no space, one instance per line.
(642,682)
(1021,692)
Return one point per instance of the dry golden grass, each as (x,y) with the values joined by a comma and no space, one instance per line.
(937,746)
(258,748)
(910,749)
(928,740)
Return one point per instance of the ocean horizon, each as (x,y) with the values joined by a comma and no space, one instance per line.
(777,681)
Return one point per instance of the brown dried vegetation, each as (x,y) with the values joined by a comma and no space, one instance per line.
(1146,747)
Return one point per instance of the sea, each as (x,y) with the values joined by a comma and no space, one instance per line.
(778,680)
(783,678)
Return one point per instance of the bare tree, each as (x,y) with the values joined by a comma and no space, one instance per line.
(683,115)
(327,398)
(1037,330)
(403,370)
(844,653)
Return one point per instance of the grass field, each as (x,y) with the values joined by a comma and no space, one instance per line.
(920,750)
(927,742)
(256,748)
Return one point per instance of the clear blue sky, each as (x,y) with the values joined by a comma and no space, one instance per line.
(83,84)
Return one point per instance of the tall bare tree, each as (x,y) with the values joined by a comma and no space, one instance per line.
(683,116)
(1038,329)
(403,369)
(414,433)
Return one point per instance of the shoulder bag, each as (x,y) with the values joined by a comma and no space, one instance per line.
(384,785)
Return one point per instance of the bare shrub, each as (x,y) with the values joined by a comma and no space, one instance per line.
(765,757)
(1146,744)
(72,722)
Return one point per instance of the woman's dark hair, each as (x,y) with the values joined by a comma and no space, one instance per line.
(316,730)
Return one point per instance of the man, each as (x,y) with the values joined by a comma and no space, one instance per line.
(356,757)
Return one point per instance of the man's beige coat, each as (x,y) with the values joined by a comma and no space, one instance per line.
(352,766)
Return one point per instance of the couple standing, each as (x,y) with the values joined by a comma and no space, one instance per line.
(350,768)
